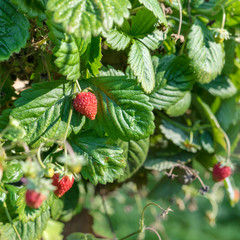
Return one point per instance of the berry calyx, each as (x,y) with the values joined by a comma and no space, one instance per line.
(34,199)
(86,104)
(220,172)
(63,185)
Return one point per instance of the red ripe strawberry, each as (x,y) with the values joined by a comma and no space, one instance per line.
(86,104)
(220,172)
(63,185)
(34,199)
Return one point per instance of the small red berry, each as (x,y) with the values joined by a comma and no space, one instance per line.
(220,172)
(63,185)
(34,199)
(86,104)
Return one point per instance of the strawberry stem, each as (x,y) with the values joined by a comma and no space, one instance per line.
(71,111)
(79,88)
(10,220)
(39,157)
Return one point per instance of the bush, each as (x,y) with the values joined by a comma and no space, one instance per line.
(116,98)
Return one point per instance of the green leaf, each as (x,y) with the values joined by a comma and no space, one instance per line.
(71,202)
(221,87)
(81,236)
(159,164)
(4,119)
(43,112)
(207,7)
(180,107)
(229,48)
(207,57)
(143,23)
(56,208)
(135,153)
(165,189)
(10,199)
(140,62)
(27,231)
(174,79)
(93,55)
(217,131)
(207,142)
(228,113)
(105,161)
(67,50)
(53,230)
(153,40)
(154,6)
(123,109)
(33,8)
(233,14)
(14,30)
(13,172)
(86,17)
(180,137)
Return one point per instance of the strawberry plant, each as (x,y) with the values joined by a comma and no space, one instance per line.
(96,95)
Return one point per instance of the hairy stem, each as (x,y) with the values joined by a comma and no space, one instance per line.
(70,112)
(153,230)
(10,220)
(223,17)
(180,17)
(39,156)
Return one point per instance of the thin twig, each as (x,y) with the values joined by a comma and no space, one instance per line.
(153,230)
(108,217)
(180,17)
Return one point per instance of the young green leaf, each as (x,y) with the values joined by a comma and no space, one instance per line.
(14,30)
(207,57)
(123,109)
(154,6)
(86,17)
(135,153)
(105,161)
(143,23)
(67,50)
(140,62)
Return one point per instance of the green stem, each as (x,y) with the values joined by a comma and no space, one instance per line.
(133,11)
(10,220)
(153,230)
(79,88)
(131,234)
(39,156)
(143,211)
(223,17)
(70,112)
